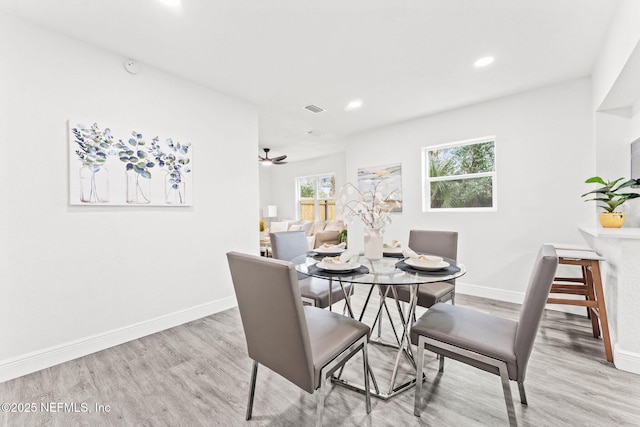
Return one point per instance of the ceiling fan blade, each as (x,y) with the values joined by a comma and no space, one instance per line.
(279,163)
(279,158)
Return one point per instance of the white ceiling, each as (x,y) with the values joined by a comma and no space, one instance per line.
(403,58)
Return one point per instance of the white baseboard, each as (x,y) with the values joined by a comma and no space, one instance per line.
(515,297)
(41,359)
(626,360)
(491,293)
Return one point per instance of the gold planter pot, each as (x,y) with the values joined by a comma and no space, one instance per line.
(612,219)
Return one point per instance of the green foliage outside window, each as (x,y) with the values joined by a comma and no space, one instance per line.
(465,173)
(306,190)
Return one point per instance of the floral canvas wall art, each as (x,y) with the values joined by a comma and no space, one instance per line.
(386,178)
(115,166)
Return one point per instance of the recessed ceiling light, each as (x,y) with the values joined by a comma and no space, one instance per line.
(170,3)
(483,62)
(356,103)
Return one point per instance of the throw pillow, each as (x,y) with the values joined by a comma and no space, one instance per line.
(278,226)
(334,225)
(318,226)
(307,226)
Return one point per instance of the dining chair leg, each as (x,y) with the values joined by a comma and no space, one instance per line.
(308,301)
(523,395)
(320,401)
(419,373)
(508,399)
(252,390)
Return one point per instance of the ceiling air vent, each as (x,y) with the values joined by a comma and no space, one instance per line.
(314,108)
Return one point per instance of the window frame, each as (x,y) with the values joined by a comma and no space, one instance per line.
(427,180)
(316,198)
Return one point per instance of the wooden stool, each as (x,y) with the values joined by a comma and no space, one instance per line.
(589,285)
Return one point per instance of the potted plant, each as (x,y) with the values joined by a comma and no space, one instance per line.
(263,231)
(342,236)
(611,197)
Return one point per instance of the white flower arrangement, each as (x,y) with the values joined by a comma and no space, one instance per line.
(372,207)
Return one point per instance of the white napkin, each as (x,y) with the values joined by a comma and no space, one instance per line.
(330,246)
(393,244)
(344,258)
(409,253)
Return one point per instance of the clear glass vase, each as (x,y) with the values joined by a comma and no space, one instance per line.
(138,188)
(373,241)
(94,184)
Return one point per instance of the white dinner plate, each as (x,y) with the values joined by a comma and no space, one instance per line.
(329,250)
(390,250)
(411,262)
(337,267)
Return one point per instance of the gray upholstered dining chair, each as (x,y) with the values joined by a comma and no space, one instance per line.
(434,242)
(491,343)
(303,344)
(288,245)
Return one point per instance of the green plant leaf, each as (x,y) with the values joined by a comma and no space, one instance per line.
(625,184)
(595,179)
(629,195)
(613,204)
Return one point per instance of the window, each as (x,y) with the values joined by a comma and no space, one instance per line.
(460,176)
(316,197)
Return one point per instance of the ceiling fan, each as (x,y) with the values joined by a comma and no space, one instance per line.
(267,161)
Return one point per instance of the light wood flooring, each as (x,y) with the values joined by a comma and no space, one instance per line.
(197,374)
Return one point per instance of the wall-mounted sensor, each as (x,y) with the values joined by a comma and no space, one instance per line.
(131,66)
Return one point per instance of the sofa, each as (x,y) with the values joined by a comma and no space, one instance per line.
(318,232)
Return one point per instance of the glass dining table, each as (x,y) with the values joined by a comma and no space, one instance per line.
(384,275)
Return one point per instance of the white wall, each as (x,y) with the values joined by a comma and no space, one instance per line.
(623,35)
(282,180)
(545,151)
(616,88)
(264,175)
(634,126)
(613,154)
(78,279)
(616,96)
